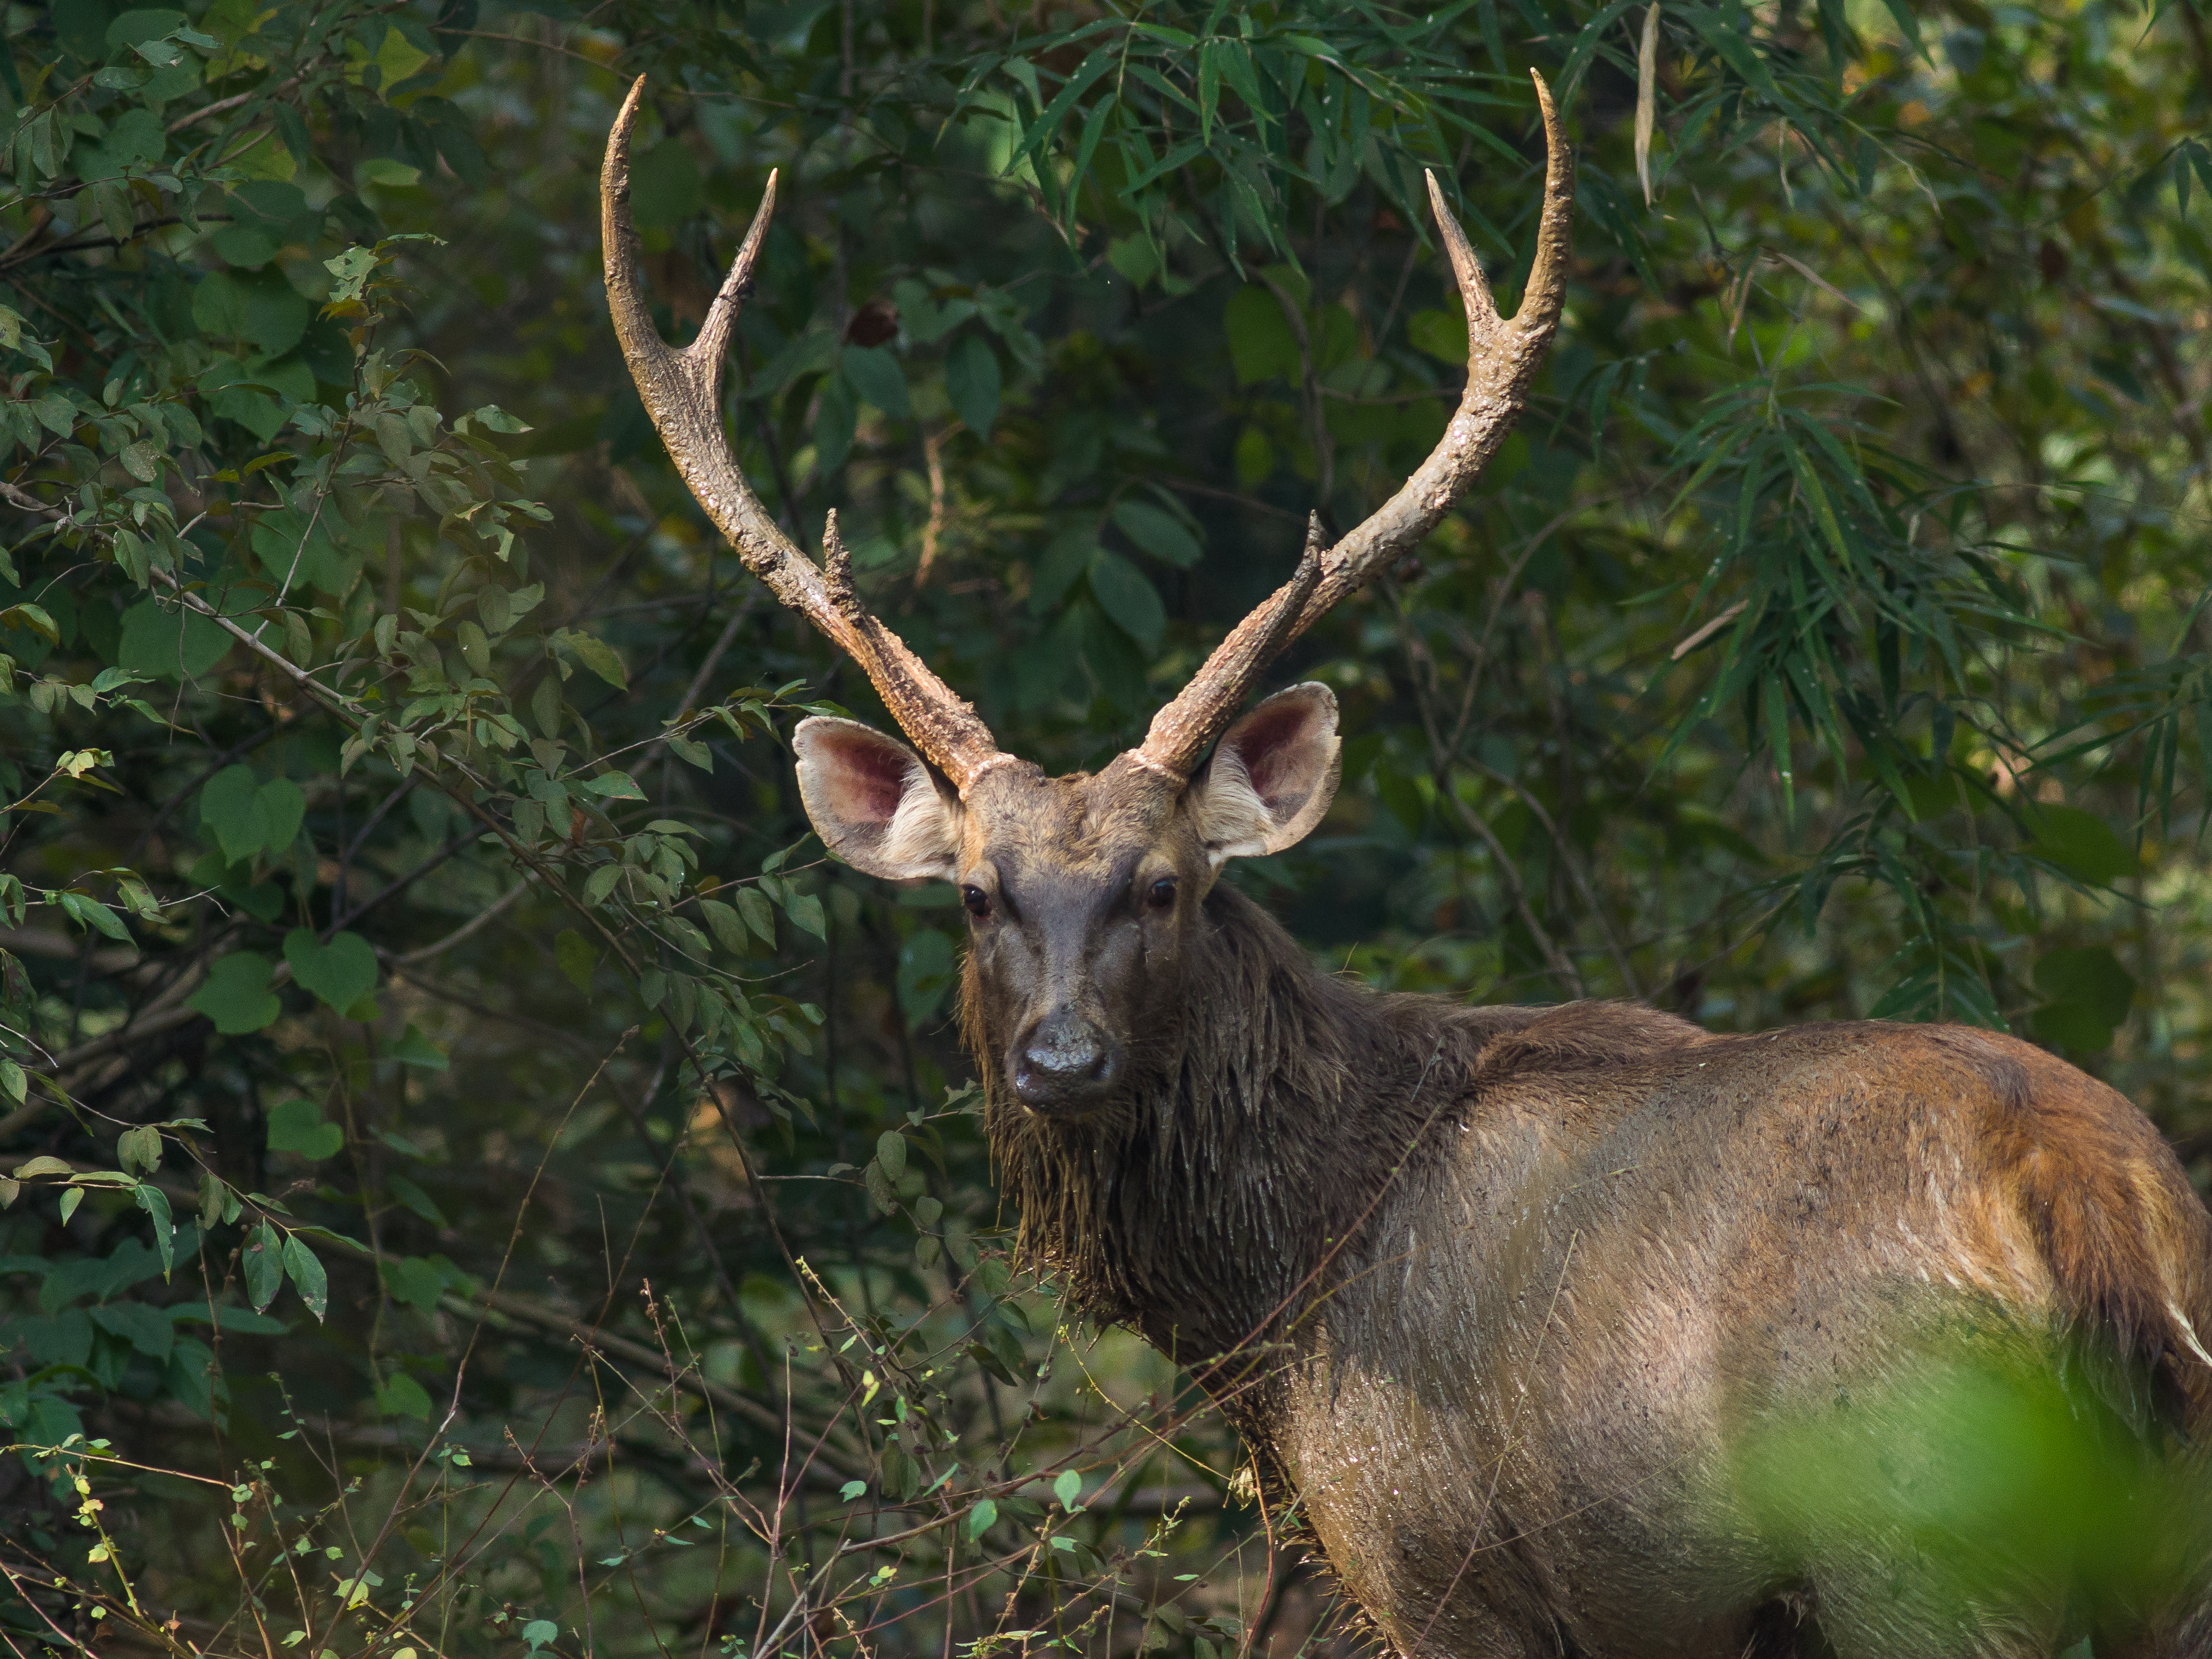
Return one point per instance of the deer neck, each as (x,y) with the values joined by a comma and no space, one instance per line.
(1231,1187)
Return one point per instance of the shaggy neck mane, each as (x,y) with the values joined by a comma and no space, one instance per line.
(1251,1138)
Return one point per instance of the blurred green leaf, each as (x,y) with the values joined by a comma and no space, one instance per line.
(236,995)
(1158,532)
(413,1048)
(2082,844)
(401,1395)
(297,1126)
(665,188)
(1126,595)
(876,376)
(340,970)
(972,382)
(575,957)
(1261,346)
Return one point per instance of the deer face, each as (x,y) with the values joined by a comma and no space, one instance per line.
(1081,893)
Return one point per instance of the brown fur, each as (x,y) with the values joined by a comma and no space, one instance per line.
(1267,1199)
(1577,1330)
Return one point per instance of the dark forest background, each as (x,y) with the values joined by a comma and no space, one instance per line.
(480,1182)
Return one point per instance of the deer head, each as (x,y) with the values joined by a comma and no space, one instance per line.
(1083,893)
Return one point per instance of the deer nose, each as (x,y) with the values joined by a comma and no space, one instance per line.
(1065,1062)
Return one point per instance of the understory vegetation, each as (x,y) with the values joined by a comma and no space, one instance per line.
(478,1180)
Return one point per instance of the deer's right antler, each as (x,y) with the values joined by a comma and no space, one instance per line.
(1502,359)
(681,392)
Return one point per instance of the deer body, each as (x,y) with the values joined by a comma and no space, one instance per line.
(1570,1331)
(1592,1251)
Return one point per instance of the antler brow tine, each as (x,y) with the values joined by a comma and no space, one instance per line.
(681,391)
(1503,356)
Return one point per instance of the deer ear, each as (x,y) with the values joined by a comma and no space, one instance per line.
(874,804)
(1271,778)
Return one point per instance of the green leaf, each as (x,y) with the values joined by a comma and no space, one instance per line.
(990,1361)
(2072,1025)
(759,915)
(665,185)
(546,707)
(149,1330)
(1909,23)
(401,1395)
(1065,557)
(1158,532)
(972,383)
(1720,31)
(413,1048)
(575,957)
(890,1153)
(228,1318)
(231,806)
(729,931)
(2081,844)
(297,1126)
(95,915)
(416,1199)
(982,1517)
(493,418)
(2090,975)
(341,972)
(877,376)
(236,996)
(139,1150)
(306,1275)
(476,649)
(264,1269)
(155,1202)
(416,1281)
(805,912)
(1261,346)
(1440,334)
(1068,1489)
(1128,597)
(614,786)
(927,972)
(836,419)
(260,307)
(598,656)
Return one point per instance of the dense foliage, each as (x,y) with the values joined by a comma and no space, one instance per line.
(479,1180)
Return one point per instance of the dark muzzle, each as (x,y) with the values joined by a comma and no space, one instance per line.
(1065,1064)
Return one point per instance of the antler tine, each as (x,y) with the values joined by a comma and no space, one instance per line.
(1502,358)
(681,391)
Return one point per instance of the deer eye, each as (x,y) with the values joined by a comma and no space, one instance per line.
(977,901)
(1161,893)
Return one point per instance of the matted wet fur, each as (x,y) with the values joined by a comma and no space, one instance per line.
(1491,1291)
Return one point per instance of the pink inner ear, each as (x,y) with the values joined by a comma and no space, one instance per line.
(866,777)
(1268,743)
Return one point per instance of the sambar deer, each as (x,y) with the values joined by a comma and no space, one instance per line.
(1573,1330)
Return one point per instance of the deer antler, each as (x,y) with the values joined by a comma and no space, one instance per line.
(1502,358)
(681,391)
